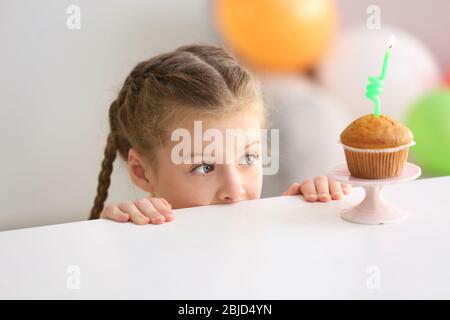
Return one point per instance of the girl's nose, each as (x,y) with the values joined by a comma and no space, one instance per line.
(231,189)
(234,195)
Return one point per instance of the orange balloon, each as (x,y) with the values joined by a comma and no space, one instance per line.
(278,35)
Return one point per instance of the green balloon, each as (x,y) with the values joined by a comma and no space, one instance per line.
(429,121)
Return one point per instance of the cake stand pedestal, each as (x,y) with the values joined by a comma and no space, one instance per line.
(373,209)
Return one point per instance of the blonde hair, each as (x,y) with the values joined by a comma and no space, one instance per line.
(196,79)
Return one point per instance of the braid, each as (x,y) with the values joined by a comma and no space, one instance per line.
(104,178)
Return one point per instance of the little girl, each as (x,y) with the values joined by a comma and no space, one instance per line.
(169,92)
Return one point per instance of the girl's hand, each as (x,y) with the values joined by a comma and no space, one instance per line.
(321,188)
(142,211)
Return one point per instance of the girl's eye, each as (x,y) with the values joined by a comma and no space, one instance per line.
(248,159)
(203,168)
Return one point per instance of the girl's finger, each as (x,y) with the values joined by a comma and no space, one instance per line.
(308,190)
(119,215)
(322,188)
(293,190)
(346,188)
(147,208)
(166,203)
(114,213)
(162,208)
(335,190)
(136,216)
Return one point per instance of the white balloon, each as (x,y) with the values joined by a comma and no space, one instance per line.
(310,121)
(359,53)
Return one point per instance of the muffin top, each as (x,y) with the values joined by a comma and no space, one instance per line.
(372,132)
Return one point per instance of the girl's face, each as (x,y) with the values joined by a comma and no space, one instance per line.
(232,175)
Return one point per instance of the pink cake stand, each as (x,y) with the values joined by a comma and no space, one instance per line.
(373,209)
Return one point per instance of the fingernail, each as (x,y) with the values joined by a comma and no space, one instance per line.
(153,220)
(323,195)
(312,196)
(337,195)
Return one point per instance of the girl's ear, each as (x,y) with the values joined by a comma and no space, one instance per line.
(139,171)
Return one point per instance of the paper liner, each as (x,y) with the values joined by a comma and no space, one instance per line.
(379,165)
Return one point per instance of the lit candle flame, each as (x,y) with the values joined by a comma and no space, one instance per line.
(392,41)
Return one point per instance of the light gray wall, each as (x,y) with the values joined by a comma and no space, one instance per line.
(56,87)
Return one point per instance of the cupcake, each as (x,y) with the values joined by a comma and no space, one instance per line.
(376,147)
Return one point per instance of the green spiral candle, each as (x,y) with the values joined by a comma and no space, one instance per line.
(375,85)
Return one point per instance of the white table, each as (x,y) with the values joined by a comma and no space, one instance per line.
(271,248)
